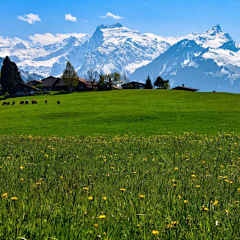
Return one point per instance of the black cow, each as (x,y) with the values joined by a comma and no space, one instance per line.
(4,103)
(45,101)
(58,102)
(21,102)
(13,103)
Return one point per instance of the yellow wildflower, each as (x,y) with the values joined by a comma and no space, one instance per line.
(95,225)
(102,216)
(90,198)
(5,195)
(14,198)
(198,186)
(141,196)
(226,210)
(155,232)
(185,201)
(104,198)
(122,189)
(215,203)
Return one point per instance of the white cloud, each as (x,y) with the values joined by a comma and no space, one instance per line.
(30,18)
(111,15)
(8,42)
(69,17)
(49,38)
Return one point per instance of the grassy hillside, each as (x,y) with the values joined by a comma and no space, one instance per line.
(136,112)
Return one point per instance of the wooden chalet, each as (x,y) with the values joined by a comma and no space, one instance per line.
(85,85)
(23,89)
(34,83)
(48,84)
(134,85)
(185,88)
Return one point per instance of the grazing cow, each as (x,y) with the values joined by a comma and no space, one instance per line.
(13,103)
(8,103)
(4,103)
(27,101)
(58,102)
(34,102)
(45,101)
(21,102)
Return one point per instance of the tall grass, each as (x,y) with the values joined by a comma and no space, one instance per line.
(129,187)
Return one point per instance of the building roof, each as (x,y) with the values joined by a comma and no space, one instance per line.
(133,82)
(49,81)
(185,88)
(60,83)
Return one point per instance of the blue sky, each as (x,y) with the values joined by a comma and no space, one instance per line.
(24,18)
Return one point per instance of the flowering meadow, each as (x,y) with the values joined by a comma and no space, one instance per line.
(128,187)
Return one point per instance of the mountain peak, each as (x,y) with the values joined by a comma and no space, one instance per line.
(214,30)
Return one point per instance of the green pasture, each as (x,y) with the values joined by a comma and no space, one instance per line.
(129,187)
(135,112)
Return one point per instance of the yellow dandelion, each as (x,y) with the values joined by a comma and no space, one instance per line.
(174,185)
(122,189)
(215,203)
(198,186)
(155,232)
(14,198)
(90,198)
(236,201)
(85,213)
(104,198)
(85,188)
(226,210)
(8,157)
(5,195)
(61,177)
(21,168)
(193,175)
(179,197)
(206,209)
(176,168)
(40,179)
(142,196)
(38,183)
(185,201)
(95,225)
(21,179)
(102,216)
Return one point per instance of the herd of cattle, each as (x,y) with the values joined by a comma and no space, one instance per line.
(24,102)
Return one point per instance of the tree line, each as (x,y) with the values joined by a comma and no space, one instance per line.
(10,77)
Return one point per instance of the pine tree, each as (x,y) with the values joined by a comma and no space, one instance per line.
(70,77)
(149,83)
(10,76)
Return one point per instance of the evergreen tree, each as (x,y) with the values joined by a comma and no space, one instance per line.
(149,83)
(10,76)
(70,77)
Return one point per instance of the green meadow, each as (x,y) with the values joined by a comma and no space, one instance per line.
(135,112)
(130,164)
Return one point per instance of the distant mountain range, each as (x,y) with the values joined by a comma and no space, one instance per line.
(208,61)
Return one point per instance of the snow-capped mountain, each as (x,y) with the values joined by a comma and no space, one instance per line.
(211,58)
(114,48)
(210,61)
